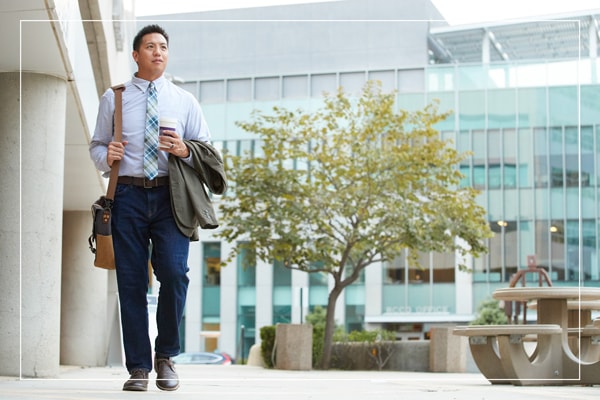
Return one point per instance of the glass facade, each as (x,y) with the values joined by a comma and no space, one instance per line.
(211,293)
(282,294)
(533,131)
(318,290)
(246,291)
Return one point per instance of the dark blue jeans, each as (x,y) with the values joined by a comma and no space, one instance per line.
(144,229)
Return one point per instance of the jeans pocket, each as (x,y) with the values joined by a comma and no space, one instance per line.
(122,189)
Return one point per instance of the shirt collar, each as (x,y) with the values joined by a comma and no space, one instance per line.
(143,84)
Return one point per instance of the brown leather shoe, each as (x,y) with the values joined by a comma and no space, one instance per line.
(166,377)
(138,381)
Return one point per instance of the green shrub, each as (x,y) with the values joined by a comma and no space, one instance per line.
(318,340)
(267,344)
(490,313)
(317,317)
(365,336)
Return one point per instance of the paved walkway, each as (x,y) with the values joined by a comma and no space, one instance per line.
(255,383)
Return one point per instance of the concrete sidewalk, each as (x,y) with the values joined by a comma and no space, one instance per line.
(255,383)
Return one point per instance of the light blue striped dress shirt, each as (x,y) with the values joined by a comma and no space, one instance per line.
(173,102)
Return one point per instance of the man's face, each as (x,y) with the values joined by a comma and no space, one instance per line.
(152,56)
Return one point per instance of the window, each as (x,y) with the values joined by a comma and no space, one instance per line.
(413,80)
(239,90)
(394,270)
(443,267)
(387,79)
(266,88)
(211,291)
(503,249)
(282,276)
(212,263)
(352,82)
(295,86)
(282,293)
(246,269)
(323,83)
(212,92)
(542,178)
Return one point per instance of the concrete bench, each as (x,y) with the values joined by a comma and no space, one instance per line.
(585,342)
(479,334)
(484,347)
(587,331)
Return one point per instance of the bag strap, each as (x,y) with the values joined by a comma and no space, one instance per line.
(118,122)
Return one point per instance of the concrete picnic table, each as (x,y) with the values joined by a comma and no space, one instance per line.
(500,352)
(553,362)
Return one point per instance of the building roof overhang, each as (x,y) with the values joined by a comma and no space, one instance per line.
(559,36)
(392,318)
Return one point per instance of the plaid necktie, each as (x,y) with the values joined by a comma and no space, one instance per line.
(151,134)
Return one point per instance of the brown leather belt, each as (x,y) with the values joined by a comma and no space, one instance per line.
(143,182)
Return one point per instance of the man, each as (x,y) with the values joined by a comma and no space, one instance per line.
(142,215)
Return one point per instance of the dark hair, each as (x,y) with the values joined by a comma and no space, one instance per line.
(137,40)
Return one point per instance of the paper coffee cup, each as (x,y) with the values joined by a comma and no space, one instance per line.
(166,124)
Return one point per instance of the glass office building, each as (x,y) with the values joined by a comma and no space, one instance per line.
(525,101)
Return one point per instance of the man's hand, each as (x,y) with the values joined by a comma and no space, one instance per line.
(170,142)
(116,151)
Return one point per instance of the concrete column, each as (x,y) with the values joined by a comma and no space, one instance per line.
(264,297)
(229,303)
(83,322)
(485,48)
(43,107)
(464,284)
(9,229)
(374,290)
(340,305)
(300,283)
(593,35)
(193,307)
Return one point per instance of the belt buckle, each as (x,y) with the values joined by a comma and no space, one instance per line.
(149,183)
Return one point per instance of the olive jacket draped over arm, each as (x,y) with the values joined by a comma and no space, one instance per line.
(191,204)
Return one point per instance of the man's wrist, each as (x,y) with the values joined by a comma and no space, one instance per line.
(186,153)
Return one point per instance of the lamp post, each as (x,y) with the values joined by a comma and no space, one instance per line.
(554,229)
(502,225)
(242,336)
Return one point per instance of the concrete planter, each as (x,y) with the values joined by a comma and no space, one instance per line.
(293,348)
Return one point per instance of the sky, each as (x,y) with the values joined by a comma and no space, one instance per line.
(456,12)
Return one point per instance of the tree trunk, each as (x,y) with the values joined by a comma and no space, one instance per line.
(329,327)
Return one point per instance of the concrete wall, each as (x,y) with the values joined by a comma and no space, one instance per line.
(317,37)
(405,356)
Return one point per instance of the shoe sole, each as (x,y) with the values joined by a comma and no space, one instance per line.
(135,389)
(167,388)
